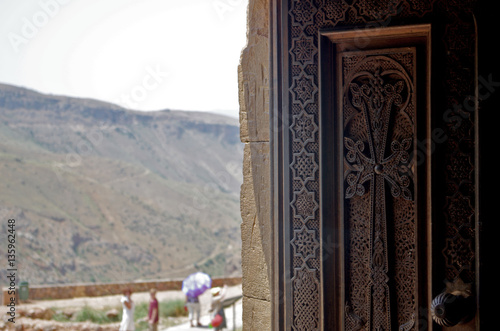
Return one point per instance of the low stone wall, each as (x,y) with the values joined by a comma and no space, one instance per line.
(68,291)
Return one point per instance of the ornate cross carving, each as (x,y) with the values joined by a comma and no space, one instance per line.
(378,139)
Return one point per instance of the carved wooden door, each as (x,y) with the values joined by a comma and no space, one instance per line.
(375,185)
(380,110)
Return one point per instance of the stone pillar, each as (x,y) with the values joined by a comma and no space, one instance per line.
(253,79)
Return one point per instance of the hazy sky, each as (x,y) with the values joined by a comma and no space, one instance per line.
(140,54)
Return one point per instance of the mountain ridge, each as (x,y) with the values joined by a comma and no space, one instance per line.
(124,194)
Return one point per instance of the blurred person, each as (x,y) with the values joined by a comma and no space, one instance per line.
(127,323)
(217,308)
(153,312)
(194,309)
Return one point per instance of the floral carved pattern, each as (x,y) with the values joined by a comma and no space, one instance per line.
(304,128)
(303,11)
(304,166)
(304,50)
(305,283)
(304,90)
(305,205)
(307,243)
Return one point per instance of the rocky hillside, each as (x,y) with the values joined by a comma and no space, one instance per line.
(100,193)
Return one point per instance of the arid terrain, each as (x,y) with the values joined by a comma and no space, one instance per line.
(101,194)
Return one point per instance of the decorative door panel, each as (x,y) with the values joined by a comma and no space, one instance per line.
(375,107)
(380,216)
(374,182)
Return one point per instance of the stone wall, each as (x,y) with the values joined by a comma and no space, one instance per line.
(256,229)
(96,290)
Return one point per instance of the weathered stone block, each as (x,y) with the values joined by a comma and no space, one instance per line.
(255,227)
(256,315)
(253,75)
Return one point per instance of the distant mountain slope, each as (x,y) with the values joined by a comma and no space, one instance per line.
(101,193)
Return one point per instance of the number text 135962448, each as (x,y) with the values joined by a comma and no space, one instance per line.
(11,268)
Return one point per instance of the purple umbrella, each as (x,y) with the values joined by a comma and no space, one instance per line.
(196,283)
